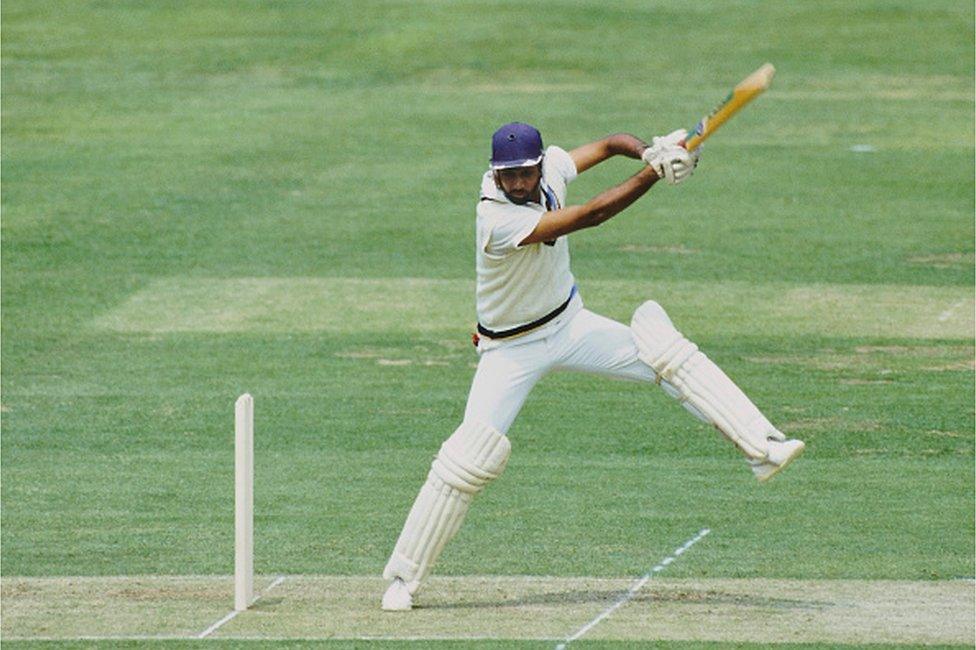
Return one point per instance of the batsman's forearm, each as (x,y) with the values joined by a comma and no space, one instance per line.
(625,144)
(557,223)
(613,201)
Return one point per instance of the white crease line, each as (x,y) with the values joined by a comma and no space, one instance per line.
(216,626)
(90,637)
(947,314)
(637,586)
(292,639)
(213,628)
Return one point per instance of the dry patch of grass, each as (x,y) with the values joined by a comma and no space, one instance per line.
(445,353)
(968,364)
(806,425)
(944,260)
(944,434)
(529,88)
(877,364)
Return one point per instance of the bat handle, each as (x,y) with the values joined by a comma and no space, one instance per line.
(695,138)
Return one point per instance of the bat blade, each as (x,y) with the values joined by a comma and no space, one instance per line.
(746,90)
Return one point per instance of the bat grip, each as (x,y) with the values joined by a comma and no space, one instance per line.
(696,136)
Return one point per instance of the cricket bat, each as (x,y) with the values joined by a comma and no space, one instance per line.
(747,90)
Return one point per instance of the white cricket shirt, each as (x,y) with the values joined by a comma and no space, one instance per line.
(520,284)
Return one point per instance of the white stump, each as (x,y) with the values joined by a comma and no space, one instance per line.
(243,502)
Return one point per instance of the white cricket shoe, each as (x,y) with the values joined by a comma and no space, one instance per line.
(397,597)
(781,454)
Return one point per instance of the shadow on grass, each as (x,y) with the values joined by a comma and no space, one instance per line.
(608,597)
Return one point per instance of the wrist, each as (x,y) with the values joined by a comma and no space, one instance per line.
(649,174)
(639,147)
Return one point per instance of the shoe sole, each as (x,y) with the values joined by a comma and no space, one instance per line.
(784,465)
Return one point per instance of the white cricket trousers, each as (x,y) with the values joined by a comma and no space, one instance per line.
(587,343)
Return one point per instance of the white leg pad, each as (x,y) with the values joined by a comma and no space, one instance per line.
(467,461)
(701,385)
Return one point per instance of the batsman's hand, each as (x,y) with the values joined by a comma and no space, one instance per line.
(672,163)
(661,142)
(668,157)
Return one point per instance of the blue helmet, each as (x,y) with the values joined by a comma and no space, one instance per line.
(516,145)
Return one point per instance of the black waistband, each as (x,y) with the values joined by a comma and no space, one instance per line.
(522,329)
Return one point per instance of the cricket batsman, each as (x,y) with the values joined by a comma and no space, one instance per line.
(531,321)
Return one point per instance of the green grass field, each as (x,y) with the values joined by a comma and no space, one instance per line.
(202,199)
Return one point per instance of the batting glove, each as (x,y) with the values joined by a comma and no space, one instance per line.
(674,164)
(662,142)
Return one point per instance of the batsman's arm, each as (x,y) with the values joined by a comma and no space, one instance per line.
(595,211)
(618,144)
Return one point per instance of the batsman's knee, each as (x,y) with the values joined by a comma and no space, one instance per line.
(653,310)
(475,454)
(660,345)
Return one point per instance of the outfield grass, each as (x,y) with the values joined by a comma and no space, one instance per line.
(201,200)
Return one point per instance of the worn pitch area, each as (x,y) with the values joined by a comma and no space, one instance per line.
(501,607)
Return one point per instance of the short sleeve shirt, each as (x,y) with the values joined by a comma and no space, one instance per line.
(520,284)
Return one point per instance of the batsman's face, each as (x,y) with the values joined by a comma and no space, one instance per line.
(520,184)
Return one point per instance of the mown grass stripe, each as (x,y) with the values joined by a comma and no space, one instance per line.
(379,305)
